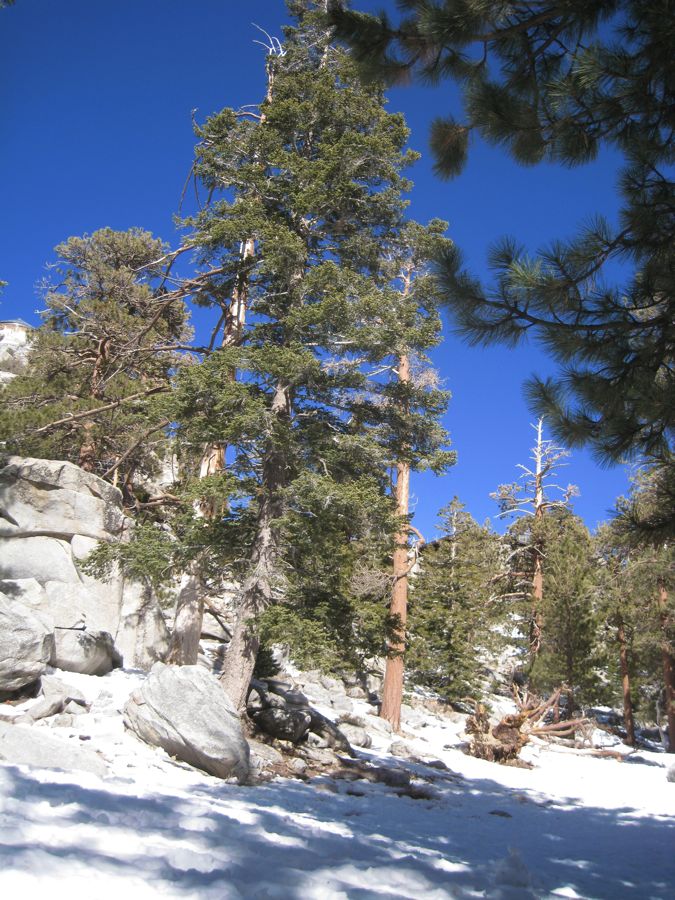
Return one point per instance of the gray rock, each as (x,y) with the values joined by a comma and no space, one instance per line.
(357,737)
(35,747)
(42,558)
(375,723)
(412,717)
(51,685)
(58,498)
(86,652)
(352,719)
(26,645)
(74,709)
(93,604)
(285,724)
(329,732)
(341,703)
(401,749)
(297,765)
(396,778)
(142,636)
(46,706)
(263,756)
(356,692)
(315,740)
(52,515)
(63,720)
(254,701)
(185,711)
(332,685)
(670,774)
(32,594)
(319,756)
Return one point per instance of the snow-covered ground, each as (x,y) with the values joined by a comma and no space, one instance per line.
(572,826)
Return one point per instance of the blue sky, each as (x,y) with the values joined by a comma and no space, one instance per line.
(96,131)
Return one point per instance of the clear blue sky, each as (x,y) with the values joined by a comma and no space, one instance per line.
(96,131)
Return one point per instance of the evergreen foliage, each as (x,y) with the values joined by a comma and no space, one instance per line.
(101,359)
(315,180)
(552,81)
(570,651)
(452,609)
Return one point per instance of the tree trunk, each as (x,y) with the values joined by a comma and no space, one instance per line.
(257,592)
(536,622)
(668,667)
(625,683)
(187,626)
(392,689)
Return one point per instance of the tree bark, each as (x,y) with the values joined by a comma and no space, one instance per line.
(668,667)
(392,688)
(536,622)
(257,592)
(187,627)
(625,683)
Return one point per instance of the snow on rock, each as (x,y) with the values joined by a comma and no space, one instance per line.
(573,826)
(31,747)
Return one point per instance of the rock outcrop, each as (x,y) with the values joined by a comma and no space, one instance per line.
(185,711)
(86,652)
(52,515)
(26,645)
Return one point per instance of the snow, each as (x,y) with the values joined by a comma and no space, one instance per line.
(574,826)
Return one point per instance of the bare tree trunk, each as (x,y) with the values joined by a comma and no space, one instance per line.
(257,592)
(668,667)
(536,622)
(625,683)
(187,626)
(392,689)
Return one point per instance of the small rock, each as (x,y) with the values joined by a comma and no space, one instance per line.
(53,685)
(47,706)
(297,765)
(391,777)
(401,749)
(375,723)
(64,720)
(74,708)
(357,737)
(353,719)
(670,774)
(356,692)
(315,740)
(318,756)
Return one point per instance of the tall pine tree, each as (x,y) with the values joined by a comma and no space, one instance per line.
(318,189)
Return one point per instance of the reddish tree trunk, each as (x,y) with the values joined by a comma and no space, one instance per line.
(668,667)
(625,683)
(392,689)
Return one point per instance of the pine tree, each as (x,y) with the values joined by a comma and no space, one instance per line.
(640,524)
(103,356)
(412,405)
(555,82)
(318,189)
(452,606)
(569,652)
